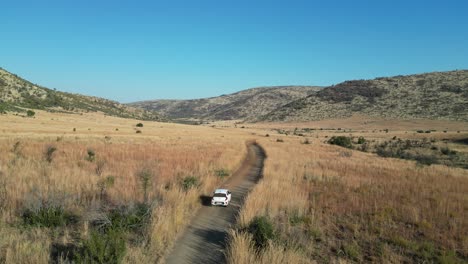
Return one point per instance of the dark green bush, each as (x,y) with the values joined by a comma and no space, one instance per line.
(91,155)
(30,113)
(189,182)
(127,219)
(102,248)
(47,216)
(447,151)
(341,141)
(361,140)
(262,231)
(139,125)
(49,153)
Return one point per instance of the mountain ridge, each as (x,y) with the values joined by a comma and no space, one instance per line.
(435,95)
(245,104)
(18,94)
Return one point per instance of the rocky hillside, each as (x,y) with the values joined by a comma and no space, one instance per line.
(247,104)
(17,94)
(438,95)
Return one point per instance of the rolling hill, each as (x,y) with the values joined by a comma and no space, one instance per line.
(244,105)
(17,95)
(437,95)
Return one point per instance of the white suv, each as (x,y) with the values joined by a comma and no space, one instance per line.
(221,197)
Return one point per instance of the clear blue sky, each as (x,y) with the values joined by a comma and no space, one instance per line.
(136,50)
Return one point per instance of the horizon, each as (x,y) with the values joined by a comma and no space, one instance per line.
(131,53)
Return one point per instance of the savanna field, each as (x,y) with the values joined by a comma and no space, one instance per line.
(82,188)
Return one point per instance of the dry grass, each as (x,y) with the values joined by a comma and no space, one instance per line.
(328,204)
(357,207)
(169,152)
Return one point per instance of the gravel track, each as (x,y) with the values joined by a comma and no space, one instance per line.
(204,240)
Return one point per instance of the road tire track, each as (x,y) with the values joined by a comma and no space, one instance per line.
(204,240)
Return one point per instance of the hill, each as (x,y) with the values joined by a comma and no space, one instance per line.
(17,94)
(437,95)
(246,104)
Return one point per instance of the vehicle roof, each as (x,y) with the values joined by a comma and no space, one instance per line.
(221,191)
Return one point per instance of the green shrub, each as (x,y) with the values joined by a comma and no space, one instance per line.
(352,251)
(262,231)
(222,173)
(447,151)
(127,219)
(361,140)
(341,141)
(49,153)
(189,183)
(139,125)
(30,113)
(425,159)
(102,248)
(47,216)
(91,155)
(145,176)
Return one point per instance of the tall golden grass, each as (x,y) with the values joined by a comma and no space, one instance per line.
(170,152)
(330,204)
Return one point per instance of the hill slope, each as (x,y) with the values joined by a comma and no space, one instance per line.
(17,94)
(247,104)
(438,95)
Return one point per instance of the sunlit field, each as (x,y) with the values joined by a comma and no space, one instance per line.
(64,178)
(89,165)
(331,204)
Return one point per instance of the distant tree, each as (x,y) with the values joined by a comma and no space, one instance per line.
(139,125)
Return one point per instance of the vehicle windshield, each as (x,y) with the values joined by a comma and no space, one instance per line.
(219,195)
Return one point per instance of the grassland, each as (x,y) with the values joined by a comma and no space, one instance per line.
(179,162)
(325,203)
(329,204)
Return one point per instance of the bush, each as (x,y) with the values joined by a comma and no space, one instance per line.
(306,141)
(425,159)
(262,231)
(47,216)
(49,153)
(145,176)
(189,183)
(279,140)
(447,151)
(222,173)
(102,248)
(139,125)
(341,141)
(30,113)
(91,155)
(125,219)
(138,132)
(361,140)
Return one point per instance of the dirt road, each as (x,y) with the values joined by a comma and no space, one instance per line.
(204,240)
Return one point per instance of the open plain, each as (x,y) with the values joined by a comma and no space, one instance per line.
(323,202)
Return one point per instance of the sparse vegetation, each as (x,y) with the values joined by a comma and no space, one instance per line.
(222,173)
(262,231)
(49,153)
(30,113)
(189,182)
(91,155)
(341,141)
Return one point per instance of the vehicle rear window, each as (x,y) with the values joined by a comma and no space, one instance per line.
(219,195)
